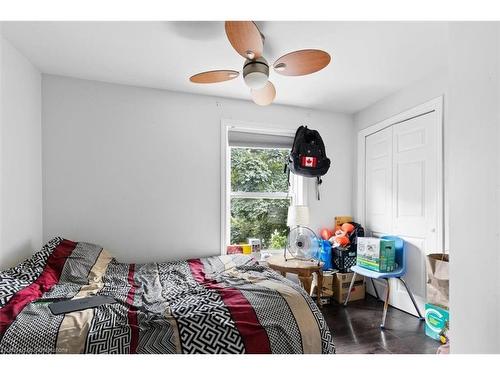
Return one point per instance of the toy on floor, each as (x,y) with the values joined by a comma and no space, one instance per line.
(325,233)
(344,241)
(341,235)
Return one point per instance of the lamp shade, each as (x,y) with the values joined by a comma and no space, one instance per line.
(298,215)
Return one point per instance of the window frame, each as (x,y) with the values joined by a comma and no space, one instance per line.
(297,191)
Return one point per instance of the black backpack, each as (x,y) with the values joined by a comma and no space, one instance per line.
(308,155)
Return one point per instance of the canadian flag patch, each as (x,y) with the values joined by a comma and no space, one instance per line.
(308,161)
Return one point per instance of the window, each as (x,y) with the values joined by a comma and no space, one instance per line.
(258,193)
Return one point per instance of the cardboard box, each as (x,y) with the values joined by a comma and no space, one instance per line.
(376,254)
(435,320)
(341,283)
(328,281)
(339,220)
(327,290)
(326,293)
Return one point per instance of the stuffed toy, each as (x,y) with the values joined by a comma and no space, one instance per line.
(341,235)
(326,233)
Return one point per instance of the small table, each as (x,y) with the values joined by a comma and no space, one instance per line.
(304,269)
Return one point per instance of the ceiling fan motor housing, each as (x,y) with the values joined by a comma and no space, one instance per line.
(256,73)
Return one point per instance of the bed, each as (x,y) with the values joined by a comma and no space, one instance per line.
(220,304)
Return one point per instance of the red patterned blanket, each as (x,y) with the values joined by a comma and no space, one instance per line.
(221,304)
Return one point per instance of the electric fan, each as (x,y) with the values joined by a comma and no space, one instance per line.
(303,244)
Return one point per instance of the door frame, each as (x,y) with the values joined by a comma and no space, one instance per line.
(434,105)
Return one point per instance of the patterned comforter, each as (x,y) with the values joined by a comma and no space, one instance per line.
(221,304)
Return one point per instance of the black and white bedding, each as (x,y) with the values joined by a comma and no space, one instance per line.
(221,304)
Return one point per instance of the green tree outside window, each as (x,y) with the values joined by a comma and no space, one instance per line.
(257,170)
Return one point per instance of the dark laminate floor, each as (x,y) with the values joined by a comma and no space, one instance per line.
(356,329)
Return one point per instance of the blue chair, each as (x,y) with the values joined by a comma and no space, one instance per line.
(398,274)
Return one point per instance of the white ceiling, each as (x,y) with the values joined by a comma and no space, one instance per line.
(370,60)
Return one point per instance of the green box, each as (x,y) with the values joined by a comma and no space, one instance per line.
(435,320)
(376,254)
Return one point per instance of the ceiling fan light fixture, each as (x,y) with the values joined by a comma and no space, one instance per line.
(256,80)
(256,73)
(265,95)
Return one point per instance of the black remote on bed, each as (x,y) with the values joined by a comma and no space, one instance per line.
(78,304)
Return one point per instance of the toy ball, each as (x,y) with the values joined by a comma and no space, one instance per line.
(342,240)
(325,233)
(347,227)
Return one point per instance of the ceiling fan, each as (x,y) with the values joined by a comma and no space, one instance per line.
(248,41)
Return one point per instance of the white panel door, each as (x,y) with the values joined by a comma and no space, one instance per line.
(413,188)
(378,180)
(415,200)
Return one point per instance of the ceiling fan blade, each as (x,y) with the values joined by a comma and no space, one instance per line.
(299,63)
(265,95)
(214,76)
(245,38)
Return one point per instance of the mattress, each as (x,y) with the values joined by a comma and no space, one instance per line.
(220,304)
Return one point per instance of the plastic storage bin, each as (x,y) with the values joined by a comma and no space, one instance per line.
(343,258)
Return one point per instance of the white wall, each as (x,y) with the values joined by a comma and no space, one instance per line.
(20,157)
(419,92)
(474,164)
(138,170)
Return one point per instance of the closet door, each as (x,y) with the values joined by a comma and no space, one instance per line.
(415,200)
(401,196)
(378,180)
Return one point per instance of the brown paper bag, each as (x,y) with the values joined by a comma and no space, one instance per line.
(438,279)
